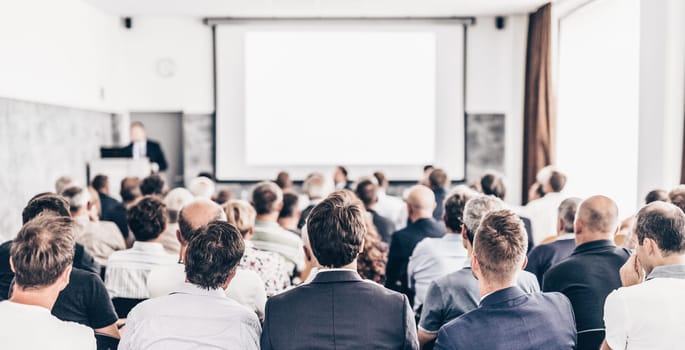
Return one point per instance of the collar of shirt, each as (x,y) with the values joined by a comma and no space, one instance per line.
(82,219)
(153,247)
(667,271)
(601,244)
(456,237)
(189,288)
(566,236)
(263,223)
(318,270)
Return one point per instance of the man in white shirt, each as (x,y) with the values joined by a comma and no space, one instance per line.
(198,315)
(41,258)
(436,257)
(99,238)
(267,198)
(127,270)
(648,313)
(388,206)
(247,287)
(542,212)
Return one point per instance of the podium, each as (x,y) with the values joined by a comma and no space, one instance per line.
(117,169)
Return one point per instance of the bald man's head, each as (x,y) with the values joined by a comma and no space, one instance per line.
(197,214)
(420,201)
(598,215)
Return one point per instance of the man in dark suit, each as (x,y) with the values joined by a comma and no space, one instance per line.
(337,309)
(420,206)
(141,147)
(507,317)
(367,191)
(544,256)
(110,208)
(592,271)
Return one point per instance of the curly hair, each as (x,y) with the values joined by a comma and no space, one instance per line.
(148,218)
(213,254)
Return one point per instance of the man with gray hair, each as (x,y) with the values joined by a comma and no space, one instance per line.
(544,256)
(99,238)
(315,188)
(458,292)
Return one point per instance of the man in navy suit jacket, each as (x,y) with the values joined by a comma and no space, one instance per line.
(337,309)
(141,147)
(507,317)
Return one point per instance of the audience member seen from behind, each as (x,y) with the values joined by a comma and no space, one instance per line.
(175,200)
(388,206)
(438,182)
(314,187)
(127,270)
(130,191)
(508,317)
(457,293)
(110,208)
(41,257)
(647,312)
(153,185)
(367,191)
(338,309)
(198,314)
(677,197)
(267,198)
(202,187)
(542,212)
(657,195)
(272,267)
(340,178)
(420,206)
(436,257)
(544,256)
(592,271)
(246,288)
(101,238)
(290,213)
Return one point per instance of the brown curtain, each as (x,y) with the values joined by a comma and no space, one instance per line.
(538,114)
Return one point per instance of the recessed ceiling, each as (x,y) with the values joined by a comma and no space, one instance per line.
(315,8)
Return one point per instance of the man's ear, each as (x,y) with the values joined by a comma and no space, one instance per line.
(12,265)
(578,227)
(361,249)
(64,278)
(525,263)
(230,278)
(464,235)
(475,268)
(89,206)
(179,237)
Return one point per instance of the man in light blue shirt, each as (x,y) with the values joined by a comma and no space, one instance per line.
(436,257)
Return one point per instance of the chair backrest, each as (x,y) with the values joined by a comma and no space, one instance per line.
(106,342)
(124,305)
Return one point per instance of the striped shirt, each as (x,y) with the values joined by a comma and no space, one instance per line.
(271,237)
(127,270)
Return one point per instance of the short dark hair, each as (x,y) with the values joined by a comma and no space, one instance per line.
(130,189)
(428,167)
(437,179)
(343,170)
(100,182)
(152,185)
(46,202)
(42,250)
(283,180)
(657,195)
(665,224)
(290,203)
(380,177)
(567,213)
(493,184)
(336,229)
(557,181)
(500,245)
(367,191)
(148,218)
(454,208)
(265,196)
(677,197)
(213,255)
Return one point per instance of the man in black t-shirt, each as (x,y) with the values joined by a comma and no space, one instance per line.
(85,299)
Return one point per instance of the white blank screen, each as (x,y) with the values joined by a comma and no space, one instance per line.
(306,96)
(361,84)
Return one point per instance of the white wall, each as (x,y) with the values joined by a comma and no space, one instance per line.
(495,84)
(57,52)
(662,73)
(185,42)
